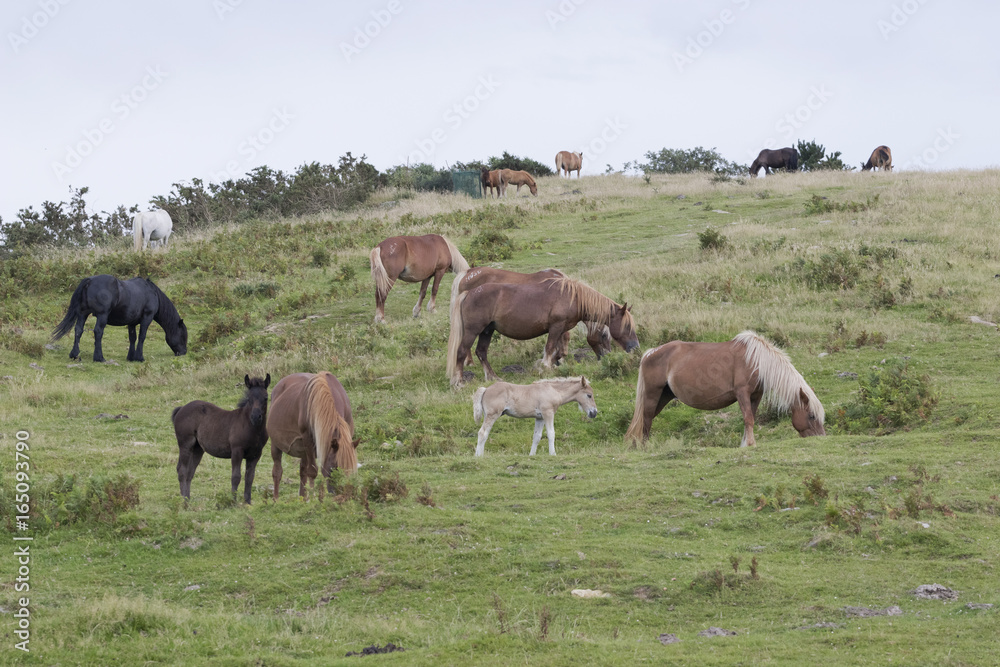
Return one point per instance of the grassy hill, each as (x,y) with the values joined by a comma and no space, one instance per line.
(868,281)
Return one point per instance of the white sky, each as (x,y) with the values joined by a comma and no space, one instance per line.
(127,98)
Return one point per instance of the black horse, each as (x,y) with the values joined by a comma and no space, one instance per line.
(780,158)
(122,303)
(237,434)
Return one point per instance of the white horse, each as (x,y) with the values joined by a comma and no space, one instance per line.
(149,226)
(540,400)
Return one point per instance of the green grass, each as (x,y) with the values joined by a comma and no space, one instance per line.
(476,562)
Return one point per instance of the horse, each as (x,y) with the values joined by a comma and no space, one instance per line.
(540,400)
(881,159)
(150,226)
(237,434)
(567,162)
(711,376)
(488,180)
(518,178)
(412,259)
(780,158)
(598,336)
(526,311)
(122,303)
(311,419)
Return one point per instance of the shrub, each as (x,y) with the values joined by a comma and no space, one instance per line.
(490,246)
(891,396)
(712,239)
(72,499)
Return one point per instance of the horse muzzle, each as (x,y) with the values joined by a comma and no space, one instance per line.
(591,413)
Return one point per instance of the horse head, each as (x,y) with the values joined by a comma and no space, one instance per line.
(256,398)
(177,338)
(622,328)
(804,417)
(585,399)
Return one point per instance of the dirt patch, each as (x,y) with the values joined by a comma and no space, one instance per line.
(716,632)
(935,592)
(513,369)
(668,638)
(375,649)
(865,612)
(817,626)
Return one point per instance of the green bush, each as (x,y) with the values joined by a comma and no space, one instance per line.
(891,396)
(490,246)
(712,239)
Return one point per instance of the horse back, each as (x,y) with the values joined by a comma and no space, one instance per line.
(519,311)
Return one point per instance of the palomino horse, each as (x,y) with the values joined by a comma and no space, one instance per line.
(311,419)
(489,180)
(780,158)
(412,259)
(518,178)
(711,376)
(237,434)
(527,311)
(881,159)
(567,162)
(122,303)
(539,400)
(150,226)
(598,336)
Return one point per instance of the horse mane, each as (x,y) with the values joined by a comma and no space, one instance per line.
(575,380)
(166,313)
(595,306)
(776,374)
(325,421)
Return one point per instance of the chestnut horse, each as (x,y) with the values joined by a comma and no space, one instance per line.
(311,419)
(567,162)
(237,434)
(518,178)
(780,158)
(526,311)
(711,376)
(598,336)
(489,180)
(412,259)
(881,159)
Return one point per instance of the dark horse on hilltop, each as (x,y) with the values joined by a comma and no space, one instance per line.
(881,159)
(412,259)
(237,434)
(526,311)
(780,158)
(122,303)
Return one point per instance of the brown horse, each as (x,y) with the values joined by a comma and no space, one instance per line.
(527,311)
(781,158)
(881,159)
(237,434)
(311,419)
(518,178)
(412,259)
(598,336)
(567,162)
(489,180)
(711,376)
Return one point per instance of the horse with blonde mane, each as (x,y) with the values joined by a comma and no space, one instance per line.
(518,178)
(526,311)
(310,419)
(711,376)
(149,227)
(540,400)
(567,162)
(412,259)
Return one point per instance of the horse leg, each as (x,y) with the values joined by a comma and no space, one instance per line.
(743,397)
(237,461)
(102,321)
(276,470)
(143,326)
(438,275)
(420,300)
(554,351)
(186,464)
(539,423)
(482,348)
(248,481)
(654,401)
(80,321)
(464,353)
(307,472)
(484,431)
(550,427)
(131,343)
(380,298)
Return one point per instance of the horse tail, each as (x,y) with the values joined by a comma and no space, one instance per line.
(793,161)
(477,404)
(634,432)
(173,415)
(457,330)
(137,231)
(73,312)
(456,287)
(458,263)
(379,274)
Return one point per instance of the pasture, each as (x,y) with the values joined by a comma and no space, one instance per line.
(867,281)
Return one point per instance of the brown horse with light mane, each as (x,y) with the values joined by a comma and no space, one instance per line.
(711,376)
(518,178)
(412,259)
(311,419)
(488,180)
(567,162)
(881,159)
(598,336)
(527,311)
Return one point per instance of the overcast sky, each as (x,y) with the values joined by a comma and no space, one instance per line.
(127,98)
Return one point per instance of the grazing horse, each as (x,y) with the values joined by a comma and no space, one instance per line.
(311,419)
(412,259)
(237,434)
(598,336)
(518,178)
(881,159)
(711,376)
(526,311)
(567,162)
(150,226)
(540,400)
(780,158)
(122,303)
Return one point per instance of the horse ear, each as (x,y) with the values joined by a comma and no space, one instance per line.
(804,397)
(355,443)
(246,381)
(583,381)
(267,381)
